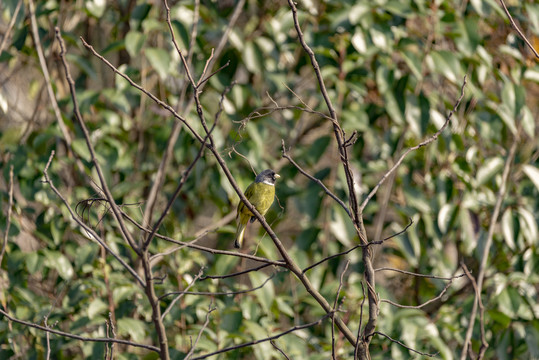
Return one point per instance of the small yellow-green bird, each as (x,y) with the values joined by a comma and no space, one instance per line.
(261,194)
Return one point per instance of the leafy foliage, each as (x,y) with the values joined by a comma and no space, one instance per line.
(393,69)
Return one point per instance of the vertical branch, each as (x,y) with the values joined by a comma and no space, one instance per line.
(488,244)
(356,217)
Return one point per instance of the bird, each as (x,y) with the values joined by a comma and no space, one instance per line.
(260,194)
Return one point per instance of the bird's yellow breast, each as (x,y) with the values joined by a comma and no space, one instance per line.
(261,196)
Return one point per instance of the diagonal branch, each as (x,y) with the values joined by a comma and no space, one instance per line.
(115,210)
(318,181)
(424,143)
(520,33)
(235,347)
(91,233)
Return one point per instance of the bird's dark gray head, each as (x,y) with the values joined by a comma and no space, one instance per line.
(267,176)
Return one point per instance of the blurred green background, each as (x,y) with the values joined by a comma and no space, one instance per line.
(393,68)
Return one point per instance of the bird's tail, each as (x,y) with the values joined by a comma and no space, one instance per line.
(239,236)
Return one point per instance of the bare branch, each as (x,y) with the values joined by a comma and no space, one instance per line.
(143,90)
(180,295)
(235,274)
(403,345)
(358,338)
(198,235)
(185,175)
(45,70)
(192,351)
(520,33)
(488,243)
(10,26)
(484,343)
(425,303)
(318,181)
(295,328)
(225,293)
(341,280)
(274,344)
(379,242)
(424,143)
(77,337)
(420,275)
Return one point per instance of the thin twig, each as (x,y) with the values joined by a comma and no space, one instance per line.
(10,26)
(192,351)
(520,33)
(198,235)
(420,275)
(235,274)
(488,243)
(212,293)
(191,245)
(181,294)
(358,342)
(379,242)
(48,339)
(8,217)
(421,305)
(318,181)
(183,179)
(46,75)
(251,343)
(341,281)
(403,345)
(143,90)
(409,150)
(274,344)
(77,337)
(484,343)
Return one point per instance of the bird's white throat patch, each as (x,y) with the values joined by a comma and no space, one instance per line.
(268,183)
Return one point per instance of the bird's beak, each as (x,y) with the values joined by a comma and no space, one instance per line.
(277,176)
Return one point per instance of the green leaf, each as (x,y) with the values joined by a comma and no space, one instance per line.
(160,60)
(528,122)
(96,7)
(445,215)
(266,294)
(533,173)
(59,262)
(136,329)
(447,64)
(96,307)
(491,167)
(81,149)
(253,58)
(134,41)
(528,225)
(508,229)
(231,320)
